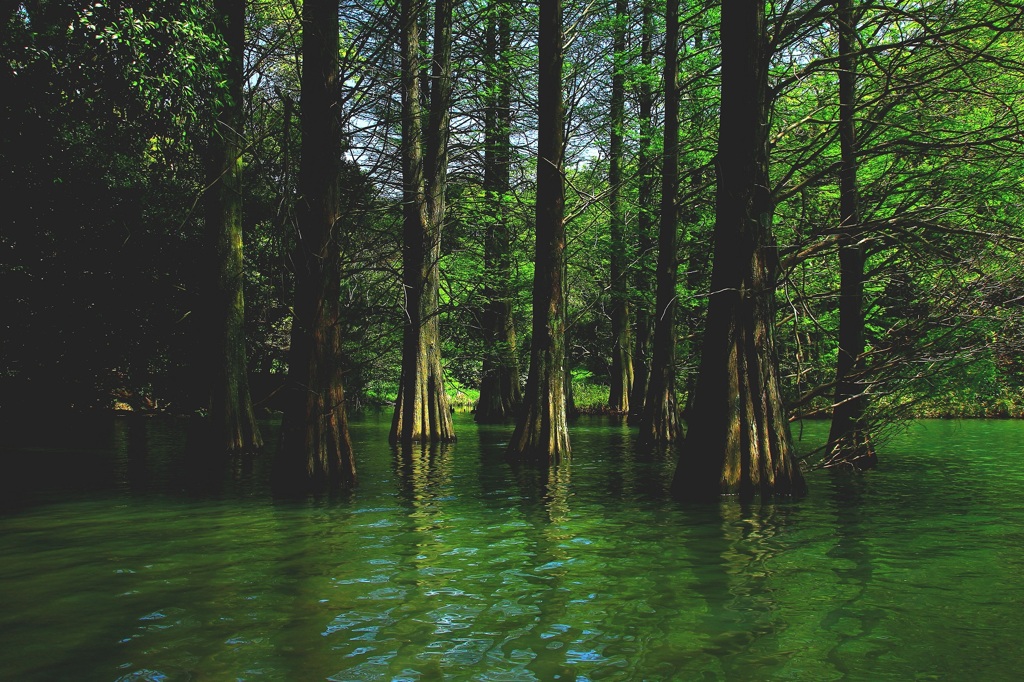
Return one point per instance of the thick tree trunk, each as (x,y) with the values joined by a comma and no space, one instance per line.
(643,281)
(738,437)
(315,449)
(232,419)
(422,412)
(660,420)
(622,361)
(541,432)
(849,442)
(500,394)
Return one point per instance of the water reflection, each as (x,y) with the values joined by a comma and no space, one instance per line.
(449,562)
(421,471)
(544,488)
(538,586)
(619,468)
(628,471)
(493,471)
(133,469)
(732,576)
(46,457)
(852,624)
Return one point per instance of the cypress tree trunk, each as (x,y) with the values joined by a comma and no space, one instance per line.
(738,437)
(232,420)
(500,394)
(422,412)
(541,432)
(315,448)
(660,420)
(643,281)
(848,439)
(622,362)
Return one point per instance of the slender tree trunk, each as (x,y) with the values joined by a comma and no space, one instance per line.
(422,412)
(622,361)
(738,437)
(232,419)
(848,440)
(643,281)
(542,432)
(660,420)
(500,394)
(315,449)
(570,394)
(282,214)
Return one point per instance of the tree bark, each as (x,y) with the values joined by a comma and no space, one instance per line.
(738,438)
(849,442)
(500,394)
(422,412)
(660,420)
(643,281)
(622,361)
(542,432)
(315,448)
(232,419)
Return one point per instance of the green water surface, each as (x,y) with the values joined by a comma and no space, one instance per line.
(124,555)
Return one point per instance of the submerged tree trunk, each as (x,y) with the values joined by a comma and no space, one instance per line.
(232,419)
(660,420)
(500,394)
(622,362)
(738,439)
(542,432)
(848,440)
(643,281)
(315,449)
(422,412)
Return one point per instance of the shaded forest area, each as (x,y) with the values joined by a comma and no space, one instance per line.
(727,215)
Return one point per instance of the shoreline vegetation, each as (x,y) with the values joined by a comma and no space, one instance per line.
(589,400)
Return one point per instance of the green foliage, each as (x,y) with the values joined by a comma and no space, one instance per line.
(589,395)
(101,103)
(106,110)
(165,55)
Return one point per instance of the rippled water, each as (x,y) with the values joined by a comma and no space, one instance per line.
(119,562)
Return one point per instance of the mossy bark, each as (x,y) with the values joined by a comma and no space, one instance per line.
(315,451)
(541,432)
(231,418)
(422,412)
(738,439)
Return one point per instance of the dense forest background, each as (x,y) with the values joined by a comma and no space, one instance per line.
(110,129)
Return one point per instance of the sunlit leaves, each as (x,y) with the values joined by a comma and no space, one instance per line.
(164,55)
